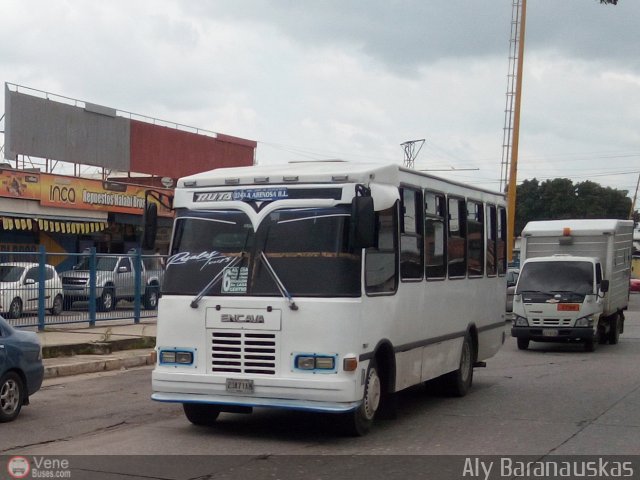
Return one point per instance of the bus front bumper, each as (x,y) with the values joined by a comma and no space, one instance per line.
(242,401)
(318,393)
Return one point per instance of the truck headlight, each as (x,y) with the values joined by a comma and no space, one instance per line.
(519,321)
(585,321)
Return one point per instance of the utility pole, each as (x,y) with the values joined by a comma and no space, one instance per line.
(635,196)
(410,152)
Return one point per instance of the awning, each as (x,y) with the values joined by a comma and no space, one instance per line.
(74,227)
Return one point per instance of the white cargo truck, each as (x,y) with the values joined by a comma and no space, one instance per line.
(574,282)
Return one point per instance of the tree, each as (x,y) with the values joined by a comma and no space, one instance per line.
(614,2)
(528,203)
(560,198)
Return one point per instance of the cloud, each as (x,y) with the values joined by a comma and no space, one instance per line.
(329,79)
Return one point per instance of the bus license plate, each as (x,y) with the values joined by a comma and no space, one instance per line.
(236,385)
(549,332)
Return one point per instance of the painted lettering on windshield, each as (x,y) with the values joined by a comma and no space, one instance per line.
(206,258)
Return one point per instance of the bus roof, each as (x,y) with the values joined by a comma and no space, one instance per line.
(297,172)
(325,171)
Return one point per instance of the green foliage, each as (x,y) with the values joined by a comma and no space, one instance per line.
(614,2)
(561,198)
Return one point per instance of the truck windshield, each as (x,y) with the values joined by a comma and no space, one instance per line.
(103,264)
(571,280)
(307,248)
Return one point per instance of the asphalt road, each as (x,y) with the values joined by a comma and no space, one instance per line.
(549,400)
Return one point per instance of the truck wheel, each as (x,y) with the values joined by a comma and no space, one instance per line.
(592,344)
(523,343)
(614,329)
(67,304)
(150,299)
(359,422)
(15,308)
(56,309)
(458,382)
(106,302)
(11,396)
(201,414)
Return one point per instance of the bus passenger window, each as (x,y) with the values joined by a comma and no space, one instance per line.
(475,239)
(502,241)
(411,245)
(457,244)
(434,235)
(381,274)
(492,226)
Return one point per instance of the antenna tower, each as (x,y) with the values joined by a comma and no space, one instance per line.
(411,151)
(509,111)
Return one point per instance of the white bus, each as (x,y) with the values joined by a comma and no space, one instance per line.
(326,286)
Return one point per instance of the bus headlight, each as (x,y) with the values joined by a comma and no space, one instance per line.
(315,362)
(585,321)
(305,363)
(519,321)
(167,356)
(176,357)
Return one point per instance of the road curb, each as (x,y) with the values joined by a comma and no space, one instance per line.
(97,347)
(67,366)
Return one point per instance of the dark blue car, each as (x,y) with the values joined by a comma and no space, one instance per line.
(21,369)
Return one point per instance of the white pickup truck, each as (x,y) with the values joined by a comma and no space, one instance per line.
(574,282)
(115,280)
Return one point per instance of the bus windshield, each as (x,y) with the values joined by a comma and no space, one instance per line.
(306,248)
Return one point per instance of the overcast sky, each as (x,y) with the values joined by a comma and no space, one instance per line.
(354,79)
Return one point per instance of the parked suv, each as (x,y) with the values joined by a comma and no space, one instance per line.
(115,281)
(20,287)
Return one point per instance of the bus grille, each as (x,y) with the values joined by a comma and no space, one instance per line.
(243,352)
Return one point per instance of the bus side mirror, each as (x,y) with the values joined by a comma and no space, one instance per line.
(363,223)
(604,286)
(150,226)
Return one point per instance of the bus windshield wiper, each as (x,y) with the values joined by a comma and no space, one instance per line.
(216,279)
(278,282)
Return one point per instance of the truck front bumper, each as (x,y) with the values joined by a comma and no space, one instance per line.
(551,334)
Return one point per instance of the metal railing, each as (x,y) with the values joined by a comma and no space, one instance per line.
(42,288)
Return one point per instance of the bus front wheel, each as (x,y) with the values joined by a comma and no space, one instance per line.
(201,414)
(359,422)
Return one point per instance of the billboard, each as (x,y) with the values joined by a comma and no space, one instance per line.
(88,134)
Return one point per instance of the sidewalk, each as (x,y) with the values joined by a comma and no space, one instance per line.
(72,350)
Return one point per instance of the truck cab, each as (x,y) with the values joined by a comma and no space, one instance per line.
(560,299)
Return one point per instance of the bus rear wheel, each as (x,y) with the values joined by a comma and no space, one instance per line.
(458,382)
(359,422)
(200,414)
